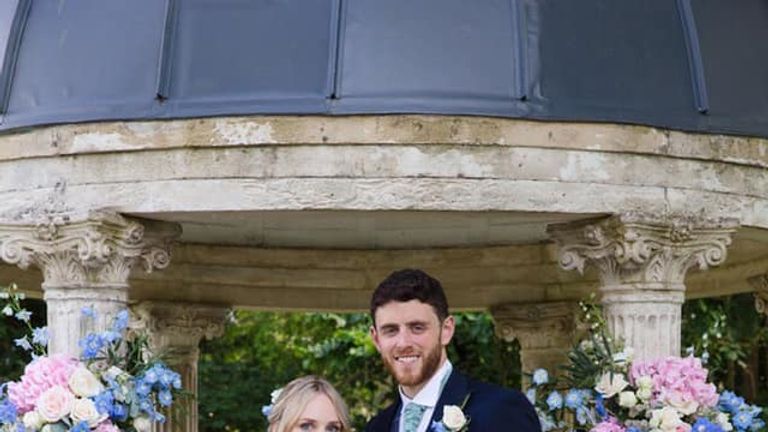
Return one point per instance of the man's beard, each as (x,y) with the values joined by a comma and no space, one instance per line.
(430,365)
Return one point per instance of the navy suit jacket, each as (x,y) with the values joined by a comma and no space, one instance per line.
(490,408)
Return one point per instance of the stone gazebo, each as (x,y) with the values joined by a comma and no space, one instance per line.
(191,156)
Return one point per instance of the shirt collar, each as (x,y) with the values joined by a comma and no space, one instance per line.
(430,394)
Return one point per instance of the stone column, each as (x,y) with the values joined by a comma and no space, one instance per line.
(642,261)
(86,260)
(175,331)
(544,330)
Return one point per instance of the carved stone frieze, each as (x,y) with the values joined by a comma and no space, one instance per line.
(640,248)
(760,284)
(89,250)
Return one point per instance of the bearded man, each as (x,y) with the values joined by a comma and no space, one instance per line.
(411,330)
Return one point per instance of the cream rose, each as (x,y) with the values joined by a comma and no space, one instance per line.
(681,404)
(85,410)
(54,404)
(142,424)
(723,421)
(627,399)
(610,384)
(453,418)
(667,419)
(32,420)
(84,383)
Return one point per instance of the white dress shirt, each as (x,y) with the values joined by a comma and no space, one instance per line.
(428,396)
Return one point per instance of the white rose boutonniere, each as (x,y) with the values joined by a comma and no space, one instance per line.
(454,419)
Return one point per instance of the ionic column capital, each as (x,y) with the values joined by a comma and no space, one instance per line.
(760,284)
(93,249)
(636,248)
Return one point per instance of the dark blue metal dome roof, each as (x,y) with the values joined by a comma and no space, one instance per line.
(697,65)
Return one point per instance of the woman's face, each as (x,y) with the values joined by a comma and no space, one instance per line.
(318,416)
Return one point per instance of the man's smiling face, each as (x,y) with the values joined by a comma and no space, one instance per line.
(411,340)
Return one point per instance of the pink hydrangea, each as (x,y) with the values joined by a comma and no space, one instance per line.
(106,426)
(609,425)
(678,381)
(40,375)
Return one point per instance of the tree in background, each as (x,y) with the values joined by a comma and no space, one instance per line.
(265,350)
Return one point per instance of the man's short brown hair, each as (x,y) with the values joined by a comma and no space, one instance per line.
(410,284)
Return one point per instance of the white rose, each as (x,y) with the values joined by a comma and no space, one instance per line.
(142,424)
(645,382)
(453,418)
(84,383)
(32,420)
(85,410)
(54,404)
(644,394)
(610,385)
(627,399)
(685,407)
(667,419)
(723,421)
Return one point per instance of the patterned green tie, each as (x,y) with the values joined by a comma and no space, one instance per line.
(412,416)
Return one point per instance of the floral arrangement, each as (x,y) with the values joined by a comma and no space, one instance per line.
(609,392)
(114,386)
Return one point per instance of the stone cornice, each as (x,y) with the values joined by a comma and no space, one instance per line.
(642,248)
(94,249)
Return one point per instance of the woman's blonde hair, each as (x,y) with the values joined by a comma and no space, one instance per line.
(294,398)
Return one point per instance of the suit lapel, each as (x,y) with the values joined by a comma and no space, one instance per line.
(454,392)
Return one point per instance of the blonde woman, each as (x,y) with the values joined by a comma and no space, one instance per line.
(309,404)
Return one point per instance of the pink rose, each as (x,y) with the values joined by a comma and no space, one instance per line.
(55,404)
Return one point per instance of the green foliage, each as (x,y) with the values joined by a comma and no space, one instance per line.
(725,331)
(265,350)
(13,359)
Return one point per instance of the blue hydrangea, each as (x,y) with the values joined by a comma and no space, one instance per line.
(150,376)
(104,402)
(121,321)
(540,377)
(730,403)
(143,388)
(165,398)
(80,427)
(599,406)
(757,425)
(119,412)
(742,420)
(633,429)
(8,412)
(554,401)
(91,346)
(582,415)
(574,399)
(704,425)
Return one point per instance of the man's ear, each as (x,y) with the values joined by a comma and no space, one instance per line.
(448,327)
(375,338)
